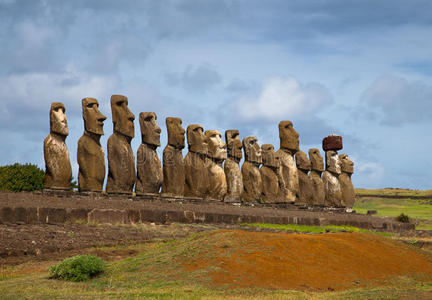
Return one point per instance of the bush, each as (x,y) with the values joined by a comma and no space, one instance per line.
(18,178)
(78,268)
(403,218)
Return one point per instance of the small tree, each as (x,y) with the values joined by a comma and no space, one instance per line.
(78,268)
(18,178)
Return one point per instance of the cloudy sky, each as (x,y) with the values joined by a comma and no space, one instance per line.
(359,68)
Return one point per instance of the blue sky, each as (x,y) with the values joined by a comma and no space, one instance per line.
(361,69)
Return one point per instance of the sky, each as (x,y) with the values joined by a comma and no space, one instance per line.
(358,68)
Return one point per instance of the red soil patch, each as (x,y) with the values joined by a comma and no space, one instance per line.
(307,261)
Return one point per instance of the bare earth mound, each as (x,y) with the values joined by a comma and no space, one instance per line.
(304,261)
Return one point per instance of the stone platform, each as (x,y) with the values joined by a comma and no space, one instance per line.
(51,207)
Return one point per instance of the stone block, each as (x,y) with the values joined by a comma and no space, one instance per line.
(157,216)
(6,215)
(134,216)
(20,215)
(32,215)
(332,142)
(176,216)
(77,215)
(51,215)
(111,216)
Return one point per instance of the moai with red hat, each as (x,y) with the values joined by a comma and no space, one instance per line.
(333,191)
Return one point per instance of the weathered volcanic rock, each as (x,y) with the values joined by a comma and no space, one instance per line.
(332,142)
(173,163)
(149,170)
(58,170)
(91,157)
(252,182)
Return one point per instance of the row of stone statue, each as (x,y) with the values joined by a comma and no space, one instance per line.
(286,176)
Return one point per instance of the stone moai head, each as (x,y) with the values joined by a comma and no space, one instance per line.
(346,163)
(270,158)
(176,132)
(216,147)
(289,138)
(252,150)
(332,162)
(93,118)
(58,121)
(316,160)
(302,161)
(197,141)
(150,130)
(234,144)
(123,118)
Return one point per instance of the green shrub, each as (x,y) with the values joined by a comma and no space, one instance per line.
(18,178)
(78,268)
(403,218)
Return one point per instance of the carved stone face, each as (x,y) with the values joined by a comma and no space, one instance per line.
(93,118)
(289,138)
(123,118)
(58,121)
(302,161)
(176,132)
(270,158)
(216,147)
(347,165)
(234,144)
(197,141)
(316,160)
(150,130)
(332,162)
(252,150)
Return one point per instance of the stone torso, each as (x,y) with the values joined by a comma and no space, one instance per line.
(333,191)
(149,170)
(173,171)
(348,196)
(121,165)
(289,185)
(252,182)
(57,162)
(270,185)
(318,191)
(217,181)
(196,175)
(91,160)
(305,190)
(234,180)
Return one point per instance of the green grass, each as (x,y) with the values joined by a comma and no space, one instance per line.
(394,192)
(418,210)
(307,228)
(156,274)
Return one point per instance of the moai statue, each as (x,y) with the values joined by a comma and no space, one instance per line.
(317,167)
(347,169)
(305,183)
(91,157)
(173,164)
(58,170)
(121,161)
(289,145)
(196,173)
(270,174)
(216,155)
(232,167)
(149,170)
(332,186)
(252,182)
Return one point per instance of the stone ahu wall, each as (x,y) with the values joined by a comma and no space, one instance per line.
(211,170)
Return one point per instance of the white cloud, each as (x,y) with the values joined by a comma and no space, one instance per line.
(284,98)
(398,100)
(368,174)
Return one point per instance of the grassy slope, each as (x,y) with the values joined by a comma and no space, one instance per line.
(418,209)
(156,274)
